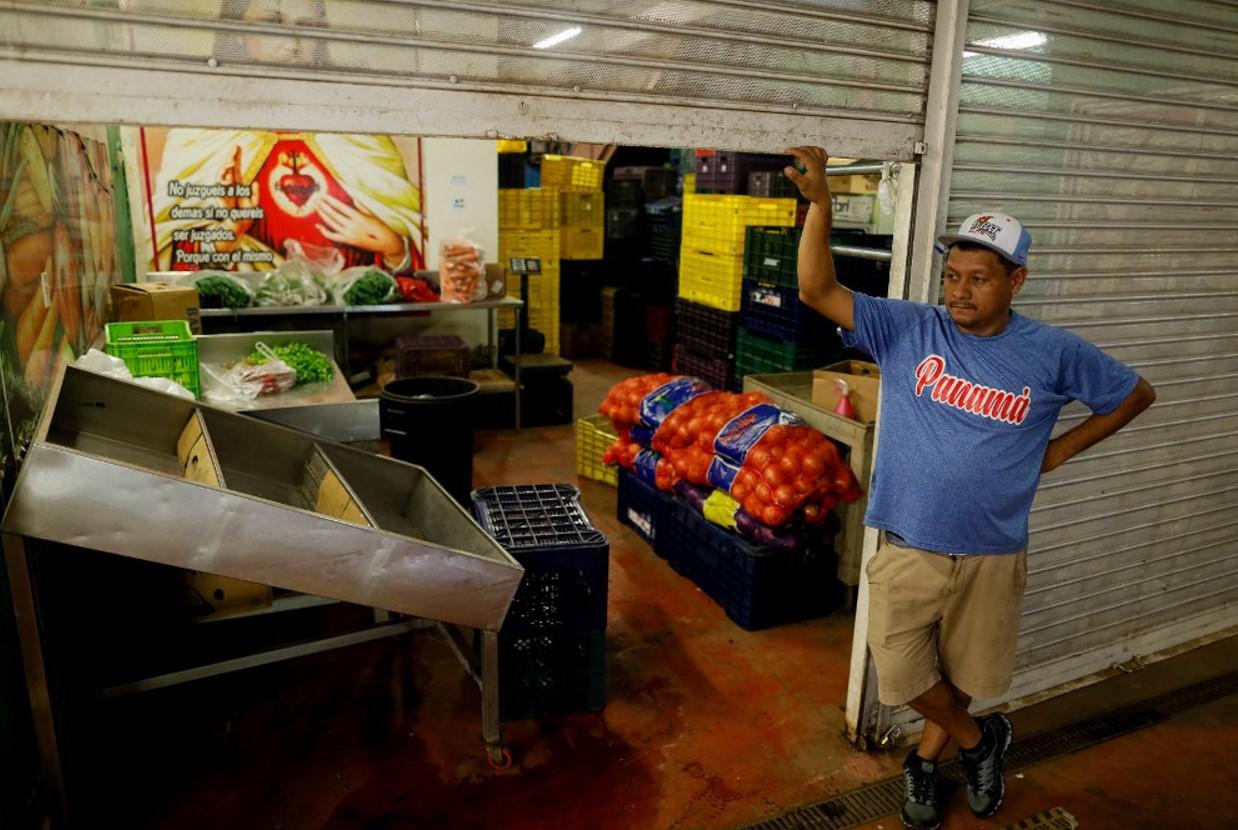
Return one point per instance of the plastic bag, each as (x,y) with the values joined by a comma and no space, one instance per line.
(222,289)
(299,281)
(687,436)
(637,407)
(244,381)
(886,194)
(363,285)
(322,260)
(105,364)
(777,467)
(462,270)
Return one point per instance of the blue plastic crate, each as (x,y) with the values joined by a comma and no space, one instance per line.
(757,587)
(776,311)
(566,559)
(645,509)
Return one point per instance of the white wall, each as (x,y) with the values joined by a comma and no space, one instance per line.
(460,192)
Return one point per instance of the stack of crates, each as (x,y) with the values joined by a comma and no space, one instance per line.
(779,333)
(529,228)
(664,229)
(582,225)
(582,204)
(552,649)
(727,172)
(711,259)
(705,340)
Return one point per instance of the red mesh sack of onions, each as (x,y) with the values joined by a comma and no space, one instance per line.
(686,437)
(623,402)
(777,467)
(652,408)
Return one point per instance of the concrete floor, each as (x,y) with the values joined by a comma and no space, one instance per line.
(707,726)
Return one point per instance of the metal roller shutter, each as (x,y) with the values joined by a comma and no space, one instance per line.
(1112,131)
(680,73)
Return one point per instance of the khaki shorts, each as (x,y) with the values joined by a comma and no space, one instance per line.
(932,615)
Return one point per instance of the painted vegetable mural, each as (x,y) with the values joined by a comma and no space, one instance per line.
(58,258)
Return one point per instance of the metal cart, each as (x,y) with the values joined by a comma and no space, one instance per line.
(124,470)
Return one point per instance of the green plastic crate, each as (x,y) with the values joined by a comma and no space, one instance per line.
(755,354)
(157,349)
(770,256)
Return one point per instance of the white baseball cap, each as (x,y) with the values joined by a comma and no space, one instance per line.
(999,232)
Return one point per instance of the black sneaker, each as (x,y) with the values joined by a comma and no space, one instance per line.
(986,783)
(920,794)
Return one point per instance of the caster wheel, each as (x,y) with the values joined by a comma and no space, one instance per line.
(499,758)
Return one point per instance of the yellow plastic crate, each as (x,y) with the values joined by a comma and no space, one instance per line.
(715,280)
(572,173)
(529,209)
(512,145)
(582,243)
(524,244)
(720,223)
(594,435)
(689,183)
(582,210)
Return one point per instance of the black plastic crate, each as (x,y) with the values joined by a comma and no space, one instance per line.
(623,222)
(657,356)
(777,312)
(550,675)
(757,587)
(664,229)
(717,372)
(512,170)
(566,559)
(624,193)
(546,402)
(654,182)
(726,172)
(772,184)
(705,331)
(580,290)
(645,509)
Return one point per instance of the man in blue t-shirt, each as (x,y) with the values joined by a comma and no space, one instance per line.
(970,392)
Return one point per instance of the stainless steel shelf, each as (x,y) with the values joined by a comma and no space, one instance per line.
(347,310)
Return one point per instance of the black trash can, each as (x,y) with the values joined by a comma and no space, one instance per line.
(429,422)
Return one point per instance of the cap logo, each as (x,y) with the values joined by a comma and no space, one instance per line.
(984,226)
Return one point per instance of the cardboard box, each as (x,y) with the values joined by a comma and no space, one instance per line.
(864,379)
(854,209)
(855,185)
(156,301)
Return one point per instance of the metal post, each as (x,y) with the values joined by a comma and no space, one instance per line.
(865,716)
(941,121)
(41,706)
(516,356)
(490,730)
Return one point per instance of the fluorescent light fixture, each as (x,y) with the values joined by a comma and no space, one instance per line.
(1022,40)
(555,40)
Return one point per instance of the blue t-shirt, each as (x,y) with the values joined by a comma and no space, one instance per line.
(965,420)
